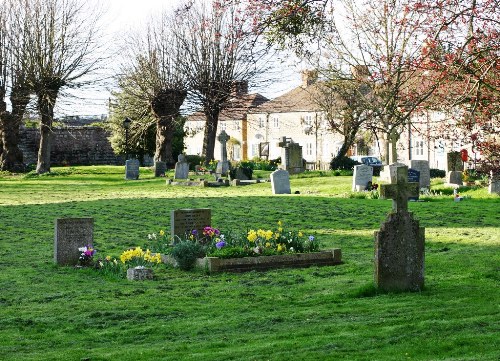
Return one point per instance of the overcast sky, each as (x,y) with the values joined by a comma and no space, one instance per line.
(120,17)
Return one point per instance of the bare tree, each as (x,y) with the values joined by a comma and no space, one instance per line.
(62,50)
(13,82)
(155,74)
(220,50)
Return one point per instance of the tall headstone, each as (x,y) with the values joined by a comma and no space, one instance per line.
(454,169)
(223,165)
(399,244)
(280,182)
(132,169)
(71,234)
(181,167)
(425,172)
(291,156)
(160,169)
(184,221)
(363,175)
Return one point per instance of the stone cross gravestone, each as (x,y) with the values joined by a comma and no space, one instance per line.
(223,164)
(414,177)
(291,156)
(362,175)
(425,172)
(399,244)
(71,234)
(181,167)
(280,182)
(132,169)
(160,169)
(184,221)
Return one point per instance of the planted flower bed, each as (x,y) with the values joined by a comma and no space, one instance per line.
(256,250)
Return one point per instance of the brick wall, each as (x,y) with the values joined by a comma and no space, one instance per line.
(72,146)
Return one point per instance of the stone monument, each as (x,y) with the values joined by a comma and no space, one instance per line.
(280,182)
(399,244)
(160,169)
(414,177)
(454,169)
(223,165)
(132,169)
(494,184)
(425,172)
(291,156)
(181,167)
(71,234)
(362,175)
(184,221)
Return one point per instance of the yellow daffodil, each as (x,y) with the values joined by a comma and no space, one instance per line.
(162,232)
(301,234)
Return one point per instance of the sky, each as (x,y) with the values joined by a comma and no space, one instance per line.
(120,17)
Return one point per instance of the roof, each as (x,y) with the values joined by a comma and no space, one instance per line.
(237,109)
(300,99)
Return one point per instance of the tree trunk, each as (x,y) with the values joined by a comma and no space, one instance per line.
(46,102)
(164,137)
(210,136)
(348,142)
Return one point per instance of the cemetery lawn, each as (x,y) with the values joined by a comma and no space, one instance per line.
(320,313)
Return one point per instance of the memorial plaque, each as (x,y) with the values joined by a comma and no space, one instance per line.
(184,221)
(71,234)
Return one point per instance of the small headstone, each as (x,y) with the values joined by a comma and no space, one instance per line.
(362,175)
(181,167)
(132,169)
(399,244)
(240,174)
(183,221)
(223,165)
(280,182)
(71,234)
(414,177)
(160,169)
(139,274)
(425,172)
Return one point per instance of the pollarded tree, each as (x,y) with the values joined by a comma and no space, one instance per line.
(220,50)
(63,49)
(13,83)
(155,73)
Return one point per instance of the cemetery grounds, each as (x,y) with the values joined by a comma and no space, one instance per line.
(49,312)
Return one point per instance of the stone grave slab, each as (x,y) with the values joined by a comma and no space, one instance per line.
(399,244)
(362,175)
(425,172)
(183,221)
(71,234)
(160,169)
(132,169)
(280,182)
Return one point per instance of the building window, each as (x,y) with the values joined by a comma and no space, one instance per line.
(237,153)
(261,122)
(222,126)
(308,120)
(276,122)
(309,149)
(419,147)
(255,150)
(236,125)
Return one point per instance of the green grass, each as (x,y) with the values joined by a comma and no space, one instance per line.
(328,313)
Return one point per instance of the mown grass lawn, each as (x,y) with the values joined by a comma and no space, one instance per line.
(328,313)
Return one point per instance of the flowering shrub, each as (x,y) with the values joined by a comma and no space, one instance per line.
(86,255)
(135,257)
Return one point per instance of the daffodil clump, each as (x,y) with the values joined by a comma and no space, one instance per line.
(138,257)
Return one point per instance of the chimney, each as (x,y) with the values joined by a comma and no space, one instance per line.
(239,88)
(309,77)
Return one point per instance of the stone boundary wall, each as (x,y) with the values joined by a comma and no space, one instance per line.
(71,146)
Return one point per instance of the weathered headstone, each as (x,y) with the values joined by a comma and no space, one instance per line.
(132,169)
(425,172)
(291,156)
(184,221)
(399,244)
(494,184)
(160,169)
(280,182)
(223,165)
(385,173)
(454,178)
(181,167)
(362,175)
(71,234)
(240,174)
(414,177)
(454,169)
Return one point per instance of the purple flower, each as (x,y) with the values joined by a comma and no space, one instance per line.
(194,232)
(311,238)
(220,244)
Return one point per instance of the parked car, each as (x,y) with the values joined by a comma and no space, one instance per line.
(371,161)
